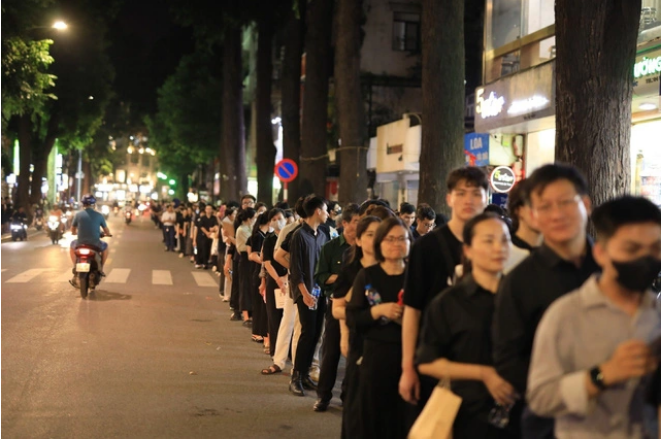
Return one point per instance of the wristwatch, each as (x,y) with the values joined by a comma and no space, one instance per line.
(597,378)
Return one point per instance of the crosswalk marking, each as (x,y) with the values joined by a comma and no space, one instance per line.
(203,279)
(118,276)
(161,277)
(27,276)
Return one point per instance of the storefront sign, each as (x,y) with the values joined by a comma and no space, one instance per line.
(476,149)
(516,99)
(648,66)
(647,74)
(502,179)
(398,147)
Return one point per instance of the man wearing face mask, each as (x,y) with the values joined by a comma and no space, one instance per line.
(596,347)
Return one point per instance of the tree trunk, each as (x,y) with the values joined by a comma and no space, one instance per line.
(87,179)
(351,111)
(596,42)
(291,96)
(233,148)
(266,151)
(25,157)
(312,167)
(442,147)
(40,153)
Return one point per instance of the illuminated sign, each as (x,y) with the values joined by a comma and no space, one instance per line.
(527,105)
(502,179)
(490,107)
(647,66)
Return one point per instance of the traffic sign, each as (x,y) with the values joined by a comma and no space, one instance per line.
(286,170)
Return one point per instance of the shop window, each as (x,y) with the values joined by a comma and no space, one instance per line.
(406,32)
(649,21)
(506,22)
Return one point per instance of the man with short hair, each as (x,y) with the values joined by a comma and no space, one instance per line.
(432,266)
(326,274)
(558,196)
(595,347)
(305,248)
(407,214)
(525,234)
(424,220)
(205,225)
(248,201)
(169,219)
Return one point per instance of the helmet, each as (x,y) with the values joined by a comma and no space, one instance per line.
(89,200)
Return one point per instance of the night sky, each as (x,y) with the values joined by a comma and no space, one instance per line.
(146,46)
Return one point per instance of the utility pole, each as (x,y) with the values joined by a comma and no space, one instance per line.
(79,174)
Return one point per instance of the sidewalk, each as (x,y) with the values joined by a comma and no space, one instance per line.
(6,237)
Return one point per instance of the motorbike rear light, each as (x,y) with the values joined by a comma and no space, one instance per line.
(84,251)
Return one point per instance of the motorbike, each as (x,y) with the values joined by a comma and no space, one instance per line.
(88,268)
(54,230)
(116,210)
(127,217)
(19,230)
(39,223)
(105,211)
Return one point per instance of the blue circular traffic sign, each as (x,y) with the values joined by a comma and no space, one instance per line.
(286,170)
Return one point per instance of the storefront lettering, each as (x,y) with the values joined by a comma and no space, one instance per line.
(502,179)
(648,66)
(490,107)
(393,149)
(528,105)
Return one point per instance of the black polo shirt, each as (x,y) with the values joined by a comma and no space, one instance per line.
(524,296)
(206,222)
(305,249)
(457,326)
(430,265)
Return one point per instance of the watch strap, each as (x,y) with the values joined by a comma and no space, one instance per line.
(597,378)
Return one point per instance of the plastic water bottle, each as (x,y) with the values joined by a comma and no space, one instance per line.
(316,292)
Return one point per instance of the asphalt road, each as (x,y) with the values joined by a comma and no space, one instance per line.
(152,354)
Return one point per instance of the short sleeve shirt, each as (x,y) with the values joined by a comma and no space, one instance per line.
(89,223)
(268,254)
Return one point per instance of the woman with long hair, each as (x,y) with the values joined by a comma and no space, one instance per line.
(456,339)
(254,249)
(246,219)
(360,255)
(375,312)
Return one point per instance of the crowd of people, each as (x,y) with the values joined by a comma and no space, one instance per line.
(541,329)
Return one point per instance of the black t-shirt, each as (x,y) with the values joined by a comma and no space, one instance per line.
(255,242)
(268,254)
(457,326)
(346,278)
(430,266)
(359,317)
(206,222)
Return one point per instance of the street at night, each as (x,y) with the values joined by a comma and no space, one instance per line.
(152,353)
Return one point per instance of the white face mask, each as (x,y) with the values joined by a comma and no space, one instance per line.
(278,225)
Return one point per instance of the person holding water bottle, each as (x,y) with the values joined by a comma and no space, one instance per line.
(375,313)
(305,248)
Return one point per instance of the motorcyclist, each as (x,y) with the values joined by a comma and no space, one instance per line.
(20,216)
(57,211)
(87,224)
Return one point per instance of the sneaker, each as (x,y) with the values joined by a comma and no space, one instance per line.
(199,266)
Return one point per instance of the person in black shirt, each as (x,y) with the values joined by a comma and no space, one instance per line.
(276,279)
(254,249)
(359,256)
(424,220)
(305,248)
(407,214)
(205,225)
(525,234)
(558,196)
(455,341)
(374,312)
(432,267)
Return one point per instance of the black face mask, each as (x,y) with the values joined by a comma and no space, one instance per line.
(639,274)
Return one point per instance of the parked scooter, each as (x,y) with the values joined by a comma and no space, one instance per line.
(19,230)
(54,229)
(88,268)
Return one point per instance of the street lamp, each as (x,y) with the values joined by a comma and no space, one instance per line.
(60,25)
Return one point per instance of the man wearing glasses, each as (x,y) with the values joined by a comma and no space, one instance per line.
(424,220)
(248,201)
(560,206)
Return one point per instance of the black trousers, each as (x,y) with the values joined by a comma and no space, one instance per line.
(351,423)
(260,320)
(245,283)
(234,294)
(311,329)
(274,315)
(330,355)
(204,250)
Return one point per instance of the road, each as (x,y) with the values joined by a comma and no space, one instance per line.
(152,355)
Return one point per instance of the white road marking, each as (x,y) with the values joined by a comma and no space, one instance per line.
(27,276)
(161,277)
(204,279)
(117,275)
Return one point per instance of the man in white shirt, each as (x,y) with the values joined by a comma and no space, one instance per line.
(168,219)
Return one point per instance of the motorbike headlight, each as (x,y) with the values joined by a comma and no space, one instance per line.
(52,218)
(105,209)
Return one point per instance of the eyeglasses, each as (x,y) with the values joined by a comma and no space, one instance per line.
(396,240)
(563,205)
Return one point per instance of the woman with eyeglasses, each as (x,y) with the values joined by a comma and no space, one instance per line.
(375,312)
(456,340)
(361,255)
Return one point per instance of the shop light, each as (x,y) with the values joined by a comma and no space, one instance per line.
(647,106)
(528,105)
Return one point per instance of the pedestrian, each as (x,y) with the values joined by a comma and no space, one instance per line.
(596,347)
(375,313)
(558,196)
(305,248)
(227,237)
(326,275)
(246,219)
(248,202)
(189,226)
(361,255)
(254,250)
(169,219)
(424,220)
(205,225)
(455,342)
(407,214)
(525,234)
(276,280)
(433,266)
(261,208)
